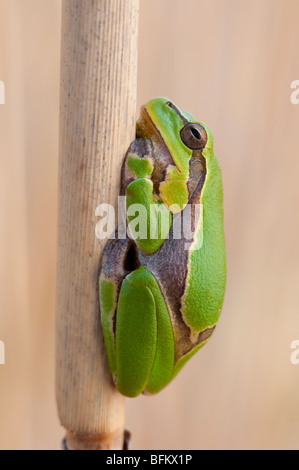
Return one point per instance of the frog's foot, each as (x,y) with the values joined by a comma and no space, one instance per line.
(144,342)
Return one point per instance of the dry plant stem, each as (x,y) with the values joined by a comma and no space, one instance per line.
(97,123)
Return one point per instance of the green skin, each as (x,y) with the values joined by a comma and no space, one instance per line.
(159,302)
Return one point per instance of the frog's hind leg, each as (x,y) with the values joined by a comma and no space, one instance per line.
(119,258)
(144,356)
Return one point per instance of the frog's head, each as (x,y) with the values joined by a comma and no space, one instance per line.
(181,145)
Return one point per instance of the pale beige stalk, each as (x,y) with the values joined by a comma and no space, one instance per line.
(97,123)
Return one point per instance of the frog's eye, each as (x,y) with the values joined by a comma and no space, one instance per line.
(194,136)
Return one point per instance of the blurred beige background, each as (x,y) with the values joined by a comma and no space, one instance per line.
(231,65)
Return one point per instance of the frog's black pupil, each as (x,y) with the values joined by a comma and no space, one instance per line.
(196,133)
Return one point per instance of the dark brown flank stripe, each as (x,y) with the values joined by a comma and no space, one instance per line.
(166,265)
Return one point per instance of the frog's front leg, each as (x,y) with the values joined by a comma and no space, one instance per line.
(139,162)
(139,185)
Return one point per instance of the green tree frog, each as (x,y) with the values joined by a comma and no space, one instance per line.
(160,301)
